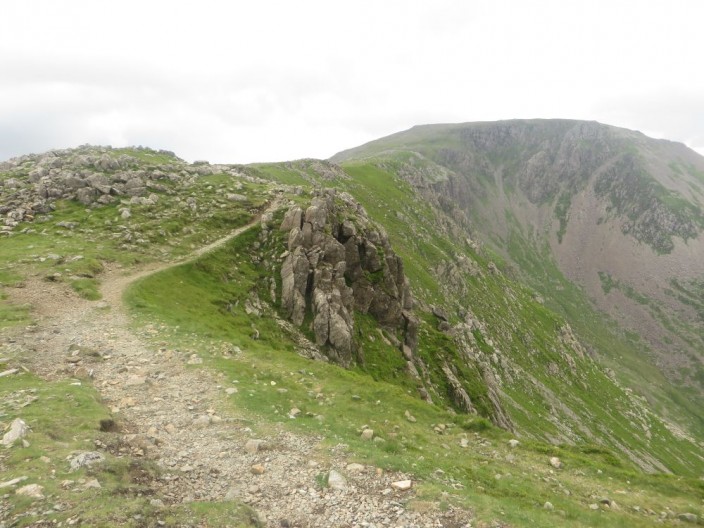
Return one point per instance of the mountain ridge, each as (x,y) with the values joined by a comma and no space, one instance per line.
(484,343)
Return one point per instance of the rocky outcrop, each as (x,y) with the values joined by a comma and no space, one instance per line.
(94,176)
(337,263)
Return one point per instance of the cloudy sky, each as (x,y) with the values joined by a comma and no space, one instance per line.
(270,80)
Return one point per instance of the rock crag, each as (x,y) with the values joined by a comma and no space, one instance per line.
(339,262)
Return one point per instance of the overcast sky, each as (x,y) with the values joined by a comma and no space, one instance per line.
(265,80)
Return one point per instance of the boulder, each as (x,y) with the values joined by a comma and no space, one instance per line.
(85,458)
(34,491)
(336,481)
(17,431)
(292,218)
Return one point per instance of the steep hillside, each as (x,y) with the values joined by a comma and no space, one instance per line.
(302,337)
(618,213)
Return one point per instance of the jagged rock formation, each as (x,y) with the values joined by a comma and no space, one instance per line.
(337,263)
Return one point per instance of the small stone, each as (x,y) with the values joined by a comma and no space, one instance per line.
(92,483)
(170,428)
(82,373)
(594,506)
(464,442)
(402,485)
(231,494)
(548,506)
(253,446)
(684,517)
(354,467)
(555,462)
(230,391)
(86,458)
(367,434)
(157,503)
(513,443)
(201,422)
(35,491)
(257,469)
(410,417)
(135,380)
(12,482)
(336,481)
(293,413)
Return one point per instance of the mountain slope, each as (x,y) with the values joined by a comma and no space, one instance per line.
(356,269)
(620,215)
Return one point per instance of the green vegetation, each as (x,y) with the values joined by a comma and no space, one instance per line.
(510,347)
(189,303)
(73,243)
(562,208)
(644,203)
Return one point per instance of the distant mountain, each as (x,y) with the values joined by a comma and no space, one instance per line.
(618,213)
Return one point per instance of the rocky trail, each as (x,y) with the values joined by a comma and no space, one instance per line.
(175,415)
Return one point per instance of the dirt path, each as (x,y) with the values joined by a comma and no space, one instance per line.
(170,413)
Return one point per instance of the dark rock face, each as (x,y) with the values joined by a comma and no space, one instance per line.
(338,263)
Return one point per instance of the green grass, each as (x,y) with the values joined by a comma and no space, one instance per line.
(200,307)
(188,303)
(98,236)
(12,314)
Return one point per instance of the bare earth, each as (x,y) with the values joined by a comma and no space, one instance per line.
(178,417)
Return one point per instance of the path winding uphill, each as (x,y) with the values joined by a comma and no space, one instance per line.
(178,417)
